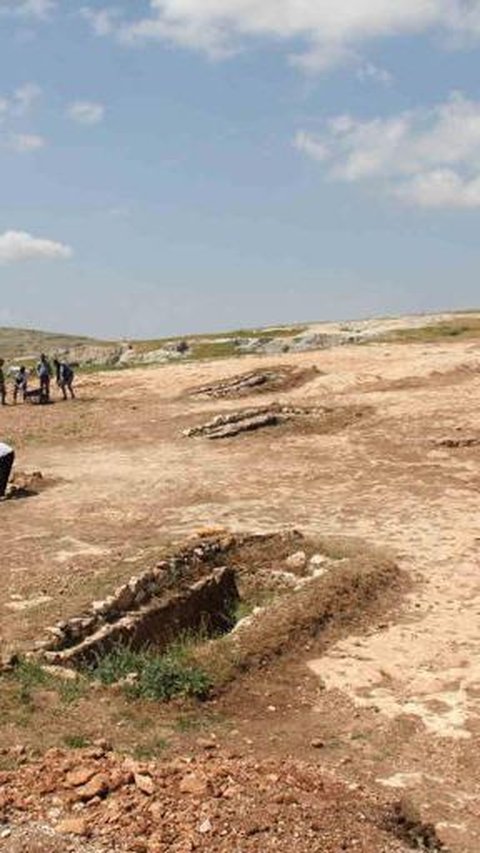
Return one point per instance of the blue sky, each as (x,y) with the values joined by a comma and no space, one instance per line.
(194,165)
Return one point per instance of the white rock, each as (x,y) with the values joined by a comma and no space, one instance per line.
(318,573)
(317,560)
(297,560)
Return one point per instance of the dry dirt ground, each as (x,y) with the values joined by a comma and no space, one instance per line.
(395,704)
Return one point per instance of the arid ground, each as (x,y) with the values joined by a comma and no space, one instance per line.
(392,704)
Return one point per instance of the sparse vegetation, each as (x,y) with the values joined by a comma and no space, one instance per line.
(462,327)
(30,342)
(150,675)
(30,676)
(115,520)
(75,741)
(151,749)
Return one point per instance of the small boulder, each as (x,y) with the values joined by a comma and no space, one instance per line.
(297,561)
(98,786)
(317,560)
(73,826)
(144,783)
(80,776)
(194,784)
(207,743)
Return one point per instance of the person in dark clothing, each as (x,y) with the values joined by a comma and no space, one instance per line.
(20,384)
(3,387)
(65,376)
(6,461)
(44,373)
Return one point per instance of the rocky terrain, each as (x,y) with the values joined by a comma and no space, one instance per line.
(211,801)
(23,345)
(335,706)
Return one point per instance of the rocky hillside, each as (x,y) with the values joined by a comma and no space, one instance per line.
(18,345)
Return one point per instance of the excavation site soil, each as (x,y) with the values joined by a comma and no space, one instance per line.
(339,508)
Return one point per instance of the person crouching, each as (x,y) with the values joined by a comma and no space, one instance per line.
(7,457)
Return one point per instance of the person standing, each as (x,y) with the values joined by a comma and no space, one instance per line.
(44,373)
(20,384)
(3,387)
(65,376)
(6,461)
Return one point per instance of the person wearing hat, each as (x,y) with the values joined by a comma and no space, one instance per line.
(6,462)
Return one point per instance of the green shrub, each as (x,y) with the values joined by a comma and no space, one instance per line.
(115,665)
(30,673)
(154,676)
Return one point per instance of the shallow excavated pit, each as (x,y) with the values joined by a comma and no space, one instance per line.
(193,590)
(255,594)
(320,419)
(263,381)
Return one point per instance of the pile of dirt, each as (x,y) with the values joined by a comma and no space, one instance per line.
(212,801)
(320,419)
(281,378)
(24,485)
(317,606)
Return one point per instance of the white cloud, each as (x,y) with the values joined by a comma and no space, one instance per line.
(102,21)
(86,112)
(369,72)
(430,158)
(24,98)
(40,9)
(25,142)
(20,101)
(331,32)
(14,108)
(21,246)
(441,188)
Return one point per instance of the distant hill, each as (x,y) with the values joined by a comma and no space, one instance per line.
(25,345)
(29,343)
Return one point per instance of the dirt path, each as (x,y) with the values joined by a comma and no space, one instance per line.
(129,484)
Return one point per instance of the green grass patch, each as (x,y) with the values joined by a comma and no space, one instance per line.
(70,691)
(148,674)
(242,610)
(467,327)
(209,349)
(30,675)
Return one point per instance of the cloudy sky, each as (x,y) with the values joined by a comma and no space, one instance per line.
(169,166)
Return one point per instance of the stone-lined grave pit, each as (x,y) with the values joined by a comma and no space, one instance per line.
(315,418)
(281,378)
(262,590)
